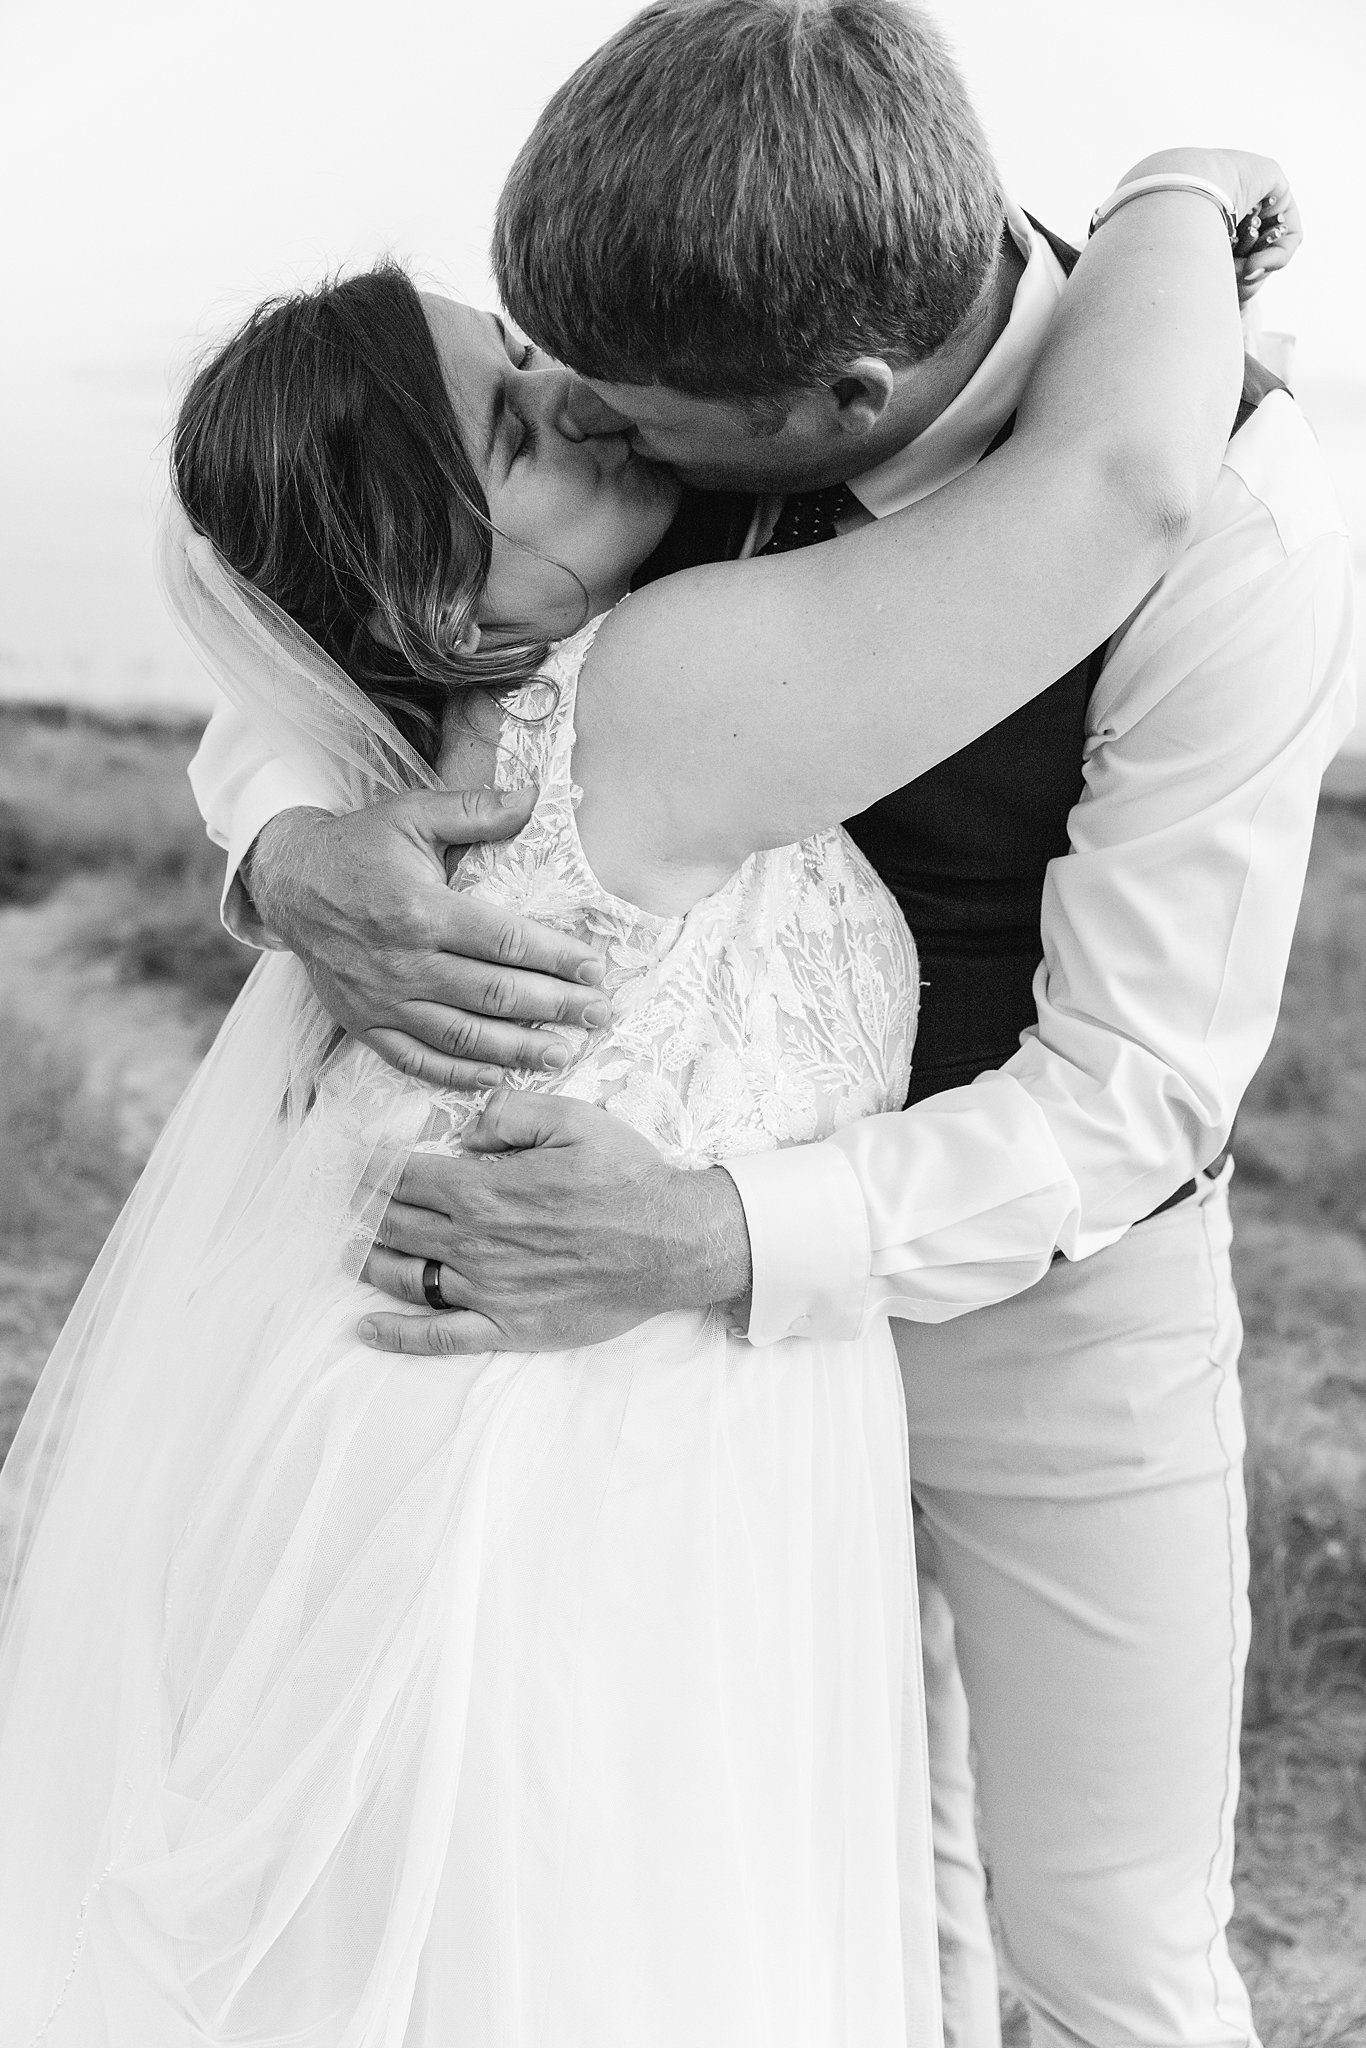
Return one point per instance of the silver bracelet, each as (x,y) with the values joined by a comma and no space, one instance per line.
(1166,181)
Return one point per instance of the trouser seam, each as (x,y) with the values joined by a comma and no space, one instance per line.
(1226,1819)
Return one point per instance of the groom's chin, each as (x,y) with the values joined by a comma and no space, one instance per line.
(761,465)
(656,488)
(721,476)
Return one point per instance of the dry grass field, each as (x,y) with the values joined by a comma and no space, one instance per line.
(114,973)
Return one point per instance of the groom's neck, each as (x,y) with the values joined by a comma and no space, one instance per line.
(926,388)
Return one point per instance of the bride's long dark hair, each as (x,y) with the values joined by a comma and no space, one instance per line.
(319,451)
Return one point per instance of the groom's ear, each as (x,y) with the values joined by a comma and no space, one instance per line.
(862,392)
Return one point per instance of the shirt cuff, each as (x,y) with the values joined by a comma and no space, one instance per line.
(271,790)
(808,1239)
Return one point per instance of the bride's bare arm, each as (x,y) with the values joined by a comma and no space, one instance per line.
(900,643)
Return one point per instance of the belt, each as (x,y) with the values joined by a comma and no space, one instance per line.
(1184,1193)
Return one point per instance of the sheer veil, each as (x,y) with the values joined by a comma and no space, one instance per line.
(276,1162)
(233,1134)
(301,703)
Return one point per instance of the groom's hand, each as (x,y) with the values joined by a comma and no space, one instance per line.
(438,984)
(558,1226)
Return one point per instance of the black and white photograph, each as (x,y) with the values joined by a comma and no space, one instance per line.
(682,1025)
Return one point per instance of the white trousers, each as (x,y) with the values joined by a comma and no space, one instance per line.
(1076,1459)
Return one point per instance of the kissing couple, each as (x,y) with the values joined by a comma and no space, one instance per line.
(462,1577)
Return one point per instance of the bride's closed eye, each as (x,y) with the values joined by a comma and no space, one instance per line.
(525,443)
(520,351)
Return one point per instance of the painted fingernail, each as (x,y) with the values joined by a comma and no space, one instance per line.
(595,1015)
(591,973)
(367,1332)
(555,1056)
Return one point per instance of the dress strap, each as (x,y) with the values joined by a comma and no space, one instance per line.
(538,722)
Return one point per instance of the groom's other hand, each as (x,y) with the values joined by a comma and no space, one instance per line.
(558,1226)
(442,986)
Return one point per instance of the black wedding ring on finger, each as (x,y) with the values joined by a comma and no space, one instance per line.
(431,1285)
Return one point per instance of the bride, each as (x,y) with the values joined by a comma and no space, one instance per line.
(562,1698)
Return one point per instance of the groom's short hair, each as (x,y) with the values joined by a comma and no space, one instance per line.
(732,197)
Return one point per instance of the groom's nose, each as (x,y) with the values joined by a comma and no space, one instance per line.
(583,415)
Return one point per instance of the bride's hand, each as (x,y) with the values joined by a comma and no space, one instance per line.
(1268,217)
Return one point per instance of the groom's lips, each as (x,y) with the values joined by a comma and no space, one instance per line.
(628,463)
(622,453)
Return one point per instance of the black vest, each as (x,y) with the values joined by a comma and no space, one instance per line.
(963,848)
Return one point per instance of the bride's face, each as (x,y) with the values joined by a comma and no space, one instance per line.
(558,499)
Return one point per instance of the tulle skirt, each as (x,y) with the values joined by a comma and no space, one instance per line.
(562,1699)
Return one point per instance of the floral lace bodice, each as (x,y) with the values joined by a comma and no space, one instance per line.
(779,1008)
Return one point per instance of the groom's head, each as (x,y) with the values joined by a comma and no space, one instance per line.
(753,225)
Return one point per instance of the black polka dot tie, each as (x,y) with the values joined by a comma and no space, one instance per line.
(809,517)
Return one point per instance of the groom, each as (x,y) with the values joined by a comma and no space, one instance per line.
(770,236)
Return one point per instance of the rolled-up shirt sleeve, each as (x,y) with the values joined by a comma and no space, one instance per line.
(1166,931)
(239,786)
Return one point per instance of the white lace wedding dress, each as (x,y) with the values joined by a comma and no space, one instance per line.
(565,1699)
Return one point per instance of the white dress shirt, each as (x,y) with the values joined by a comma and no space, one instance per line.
(1166,926)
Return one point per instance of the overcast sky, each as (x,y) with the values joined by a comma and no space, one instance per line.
(167,162)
